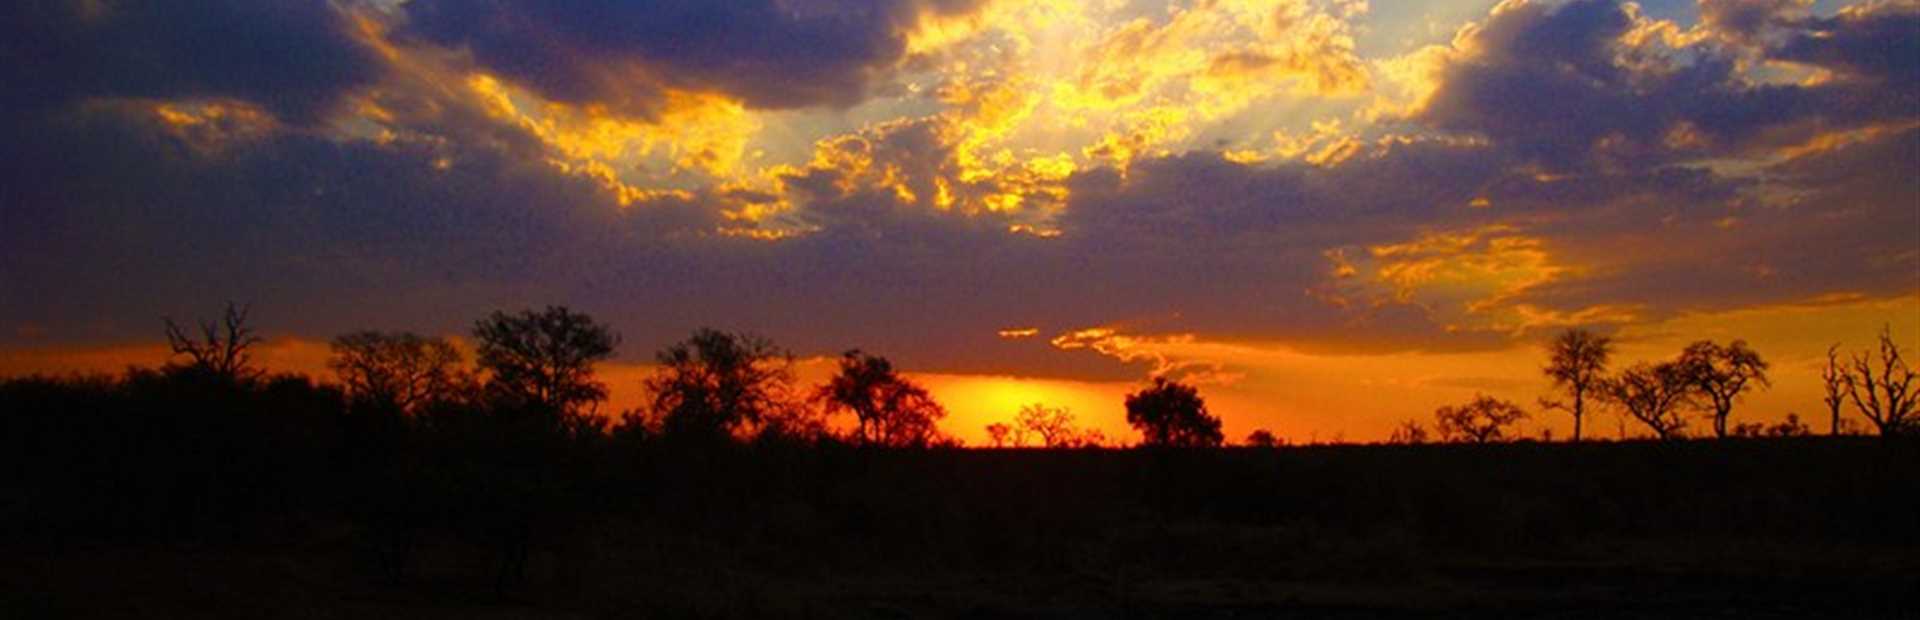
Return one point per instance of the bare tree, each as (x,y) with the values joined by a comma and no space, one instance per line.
(1169,413)
(1578,366)
(891,410)
(221,350)
(544,358)
(1722,374)
(1053,426)
(397,369)
(1485,419)
(1654,394)
(1834,379)
(1882,389)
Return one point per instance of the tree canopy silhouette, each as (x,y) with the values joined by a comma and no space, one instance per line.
(1578,366)
(1169,413)
(544,358)
(891,410)
(1484,419)
(1654,394)
(397,370)
(1722,373)
(717,384)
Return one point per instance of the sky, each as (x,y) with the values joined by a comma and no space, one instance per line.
(1331,216)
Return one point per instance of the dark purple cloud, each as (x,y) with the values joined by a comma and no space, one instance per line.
(767,53)
(294,57)
(1559,85)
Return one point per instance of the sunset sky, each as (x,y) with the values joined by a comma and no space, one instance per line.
(1330,215)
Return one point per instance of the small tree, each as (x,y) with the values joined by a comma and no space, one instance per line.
(1172,414)
(1485,419)
(1721,374)
(1654,394)
(396,370)
(1578,365)
(1410,432)
(716,384)
(1791,427)
(1053,425)
(1833,377)
(891,410)
(1262,438)
(222,349)
(544,359)
(1882,388)
(1002,435)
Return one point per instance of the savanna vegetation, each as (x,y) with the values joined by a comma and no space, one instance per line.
(415,483)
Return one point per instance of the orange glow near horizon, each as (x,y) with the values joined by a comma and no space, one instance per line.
(1302,398)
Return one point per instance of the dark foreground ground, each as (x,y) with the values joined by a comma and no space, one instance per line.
(1795,528)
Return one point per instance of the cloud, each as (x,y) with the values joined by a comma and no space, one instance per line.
(1584,84)
(295,58)
(628,55)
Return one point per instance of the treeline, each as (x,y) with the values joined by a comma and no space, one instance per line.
(1706,380)
(412,438)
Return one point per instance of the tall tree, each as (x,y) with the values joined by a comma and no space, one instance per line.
(222,350)
(544,358)
(717,385)
(1484,419)
(1169,413)
(396,370)
(891,410)
(1654,394)
(1882,388)
(1578,365)
(1721,374)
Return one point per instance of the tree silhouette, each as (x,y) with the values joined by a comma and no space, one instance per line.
(1882,389)
(396,370)
(1053,425)
(1002,435)
(544,358)
(1262,438)
(1578,365)
(1721,374)
(1833,377)
(221,350)
(1791,427)
(1410,432)
(1172,414)
(891,410)
(1654,394)
(1485,419)
(717,385)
